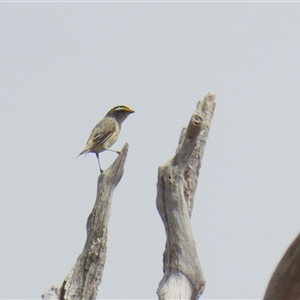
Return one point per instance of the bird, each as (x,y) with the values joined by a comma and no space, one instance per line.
(106,132)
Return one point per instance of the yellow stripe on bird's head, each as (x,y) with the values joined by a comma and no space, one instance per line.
(120,109)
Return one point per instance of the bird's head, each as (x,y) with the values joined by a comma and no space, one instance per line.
(120,113)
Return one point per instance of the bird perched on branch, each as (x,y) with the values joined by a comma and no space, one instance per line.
(107,131)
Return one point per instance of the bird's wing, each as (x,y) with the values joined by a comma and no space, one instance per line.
(100,134)
(103,131)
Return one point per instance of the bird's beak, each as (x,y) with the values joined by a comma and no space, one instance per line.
(131,111)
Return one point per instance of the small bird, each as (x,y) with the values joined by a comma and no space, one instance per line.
(107,131)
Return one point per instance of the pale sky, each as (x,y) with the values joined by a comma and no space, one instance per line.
(64,65)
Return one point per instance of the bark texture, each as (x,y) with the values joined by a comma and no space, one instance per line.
(285,282)
(176,186)
(83,280)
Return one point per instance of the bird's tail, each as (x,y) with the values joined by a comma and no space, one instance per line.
(82,152)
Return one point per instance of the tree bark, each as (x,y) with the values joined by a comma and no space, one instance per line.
(285,282)
(83,280)
(177,183)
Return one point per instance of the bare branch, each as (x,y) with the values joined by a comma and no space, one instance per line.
(284,283)
(176,186)
(83,280)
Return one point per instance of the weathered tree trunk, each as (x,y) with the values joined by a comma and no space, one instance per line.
(285,282)
(177,183)
(83,280)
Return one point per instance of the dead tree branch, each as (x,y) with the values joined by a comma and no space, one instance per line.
(83,280)
(176,186)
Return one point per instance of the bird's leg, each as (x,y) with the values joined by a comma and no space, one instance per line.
(101,171)
(118,152)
